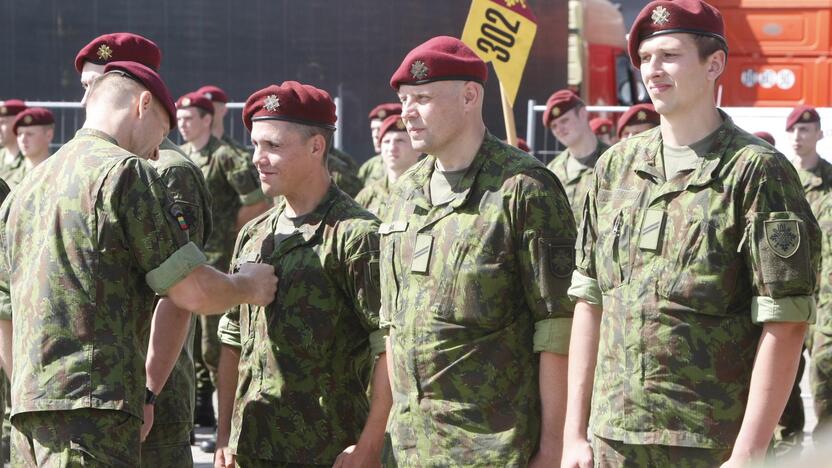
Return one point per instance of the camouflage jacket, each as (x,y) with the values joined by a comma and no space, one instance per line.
(471,290)
(12,170)
(82,255)
(372,170)
(817,184)
(577,185)
(226,138)
(186,188)
(232,182)
(375,197)
(687,269)
(305,359)
(344,172)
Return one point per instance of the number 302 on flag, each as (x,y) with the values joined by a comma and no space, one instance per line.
(502,32)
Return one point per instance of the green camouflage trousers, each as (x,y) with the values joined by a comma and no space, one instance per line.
(82,437)
(820,377)
(615,454)
(168,446)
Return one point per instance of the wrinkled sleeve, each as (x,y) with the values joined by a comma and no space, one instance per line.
(781,242)
(361,270)
(545,231)
(153,235)
(585,279)
(228,330)
(186,189)
(242,177)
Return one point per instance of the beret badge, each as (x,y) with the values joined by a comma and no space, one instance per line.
(104,52)
(806,116)
(660,15)
(272,103)
(400,125)
(186,102)
(27,120)
(641,116)
(555,111)
(419,70)
(4,110)
(382,114)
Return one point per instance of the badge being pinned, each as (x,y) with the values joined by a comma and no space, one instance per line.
(419,70)
(104,52)
(660,15)
(783,236)
(272,103)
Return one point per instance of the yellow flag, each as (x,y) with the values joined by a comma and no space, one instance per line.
(502,32)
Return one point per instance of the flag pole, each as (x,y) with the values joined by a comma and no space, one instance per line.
(508,116)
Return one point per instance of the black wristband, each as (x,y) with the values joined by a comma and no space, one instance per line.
(149,397)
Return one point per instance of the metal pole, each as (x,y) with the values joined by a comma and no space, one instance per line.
(339,114)
(530,127)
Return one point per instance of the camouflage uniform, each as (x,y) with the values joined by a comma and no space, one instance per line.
(578,184)
(471,290)
(305,360)
(4,388)
(344,172)
(168,444)
(818,187)
(232,182)
(375,198)
(372,170)
(226,138)
(10,167)
(87,251)
(688,270)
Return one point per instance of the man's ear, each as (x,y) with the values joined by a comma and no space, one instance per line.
(145,101)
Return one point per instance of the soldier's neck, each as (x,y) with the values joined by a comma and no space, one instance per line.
(198,143)
(311,191)
(808,162)
(687,126)
(460,152)
(34,160)
(585,146)
(218,129)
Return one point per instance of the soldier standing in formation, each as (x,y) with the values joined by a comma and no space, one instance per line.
(696,271)
(397,155)
(34,129)
(300,366)
(373,169)
(477,251)
(637,119)
(603,128)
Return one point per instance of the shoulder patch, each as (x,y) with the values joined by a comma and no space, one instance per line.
(783,236)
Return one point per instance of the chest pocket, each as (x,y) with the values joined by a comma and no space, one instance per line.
(612,253)
(390,238)
(702,264)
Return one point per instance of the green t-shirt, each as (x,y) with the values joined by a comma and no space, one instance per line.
(685,158)
(444,185)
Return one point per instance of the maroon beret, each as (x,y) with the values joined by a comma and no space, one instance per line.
(195,99)
(293,102)
(637,115)
(674,16)
(558,104)
(150,80)
(382,111)
(392,123)
(33,116)
(600,125)
(214,93)
(802,114)
(120,47)
(521,143)
(766,136)
(11,107)
(438,59)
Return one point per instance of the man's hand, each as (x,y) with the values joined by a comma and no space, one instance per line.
(576,454)
(147,425)
(260,283)
(223,458)
(356,457)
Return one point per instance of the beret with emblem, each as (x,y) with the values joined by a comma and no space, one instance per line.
(150,80)
(293,102)
(765,136)
(120,47)
(560,103)
(195,99)
(33,116)
(802,114)
(637,115)
(382,111)
(442,58)
(600,125)
(11,107)
(213,93)
(392,123)
(674,16)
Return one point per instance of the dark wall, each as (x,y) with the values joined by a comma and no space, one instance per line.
(348,47)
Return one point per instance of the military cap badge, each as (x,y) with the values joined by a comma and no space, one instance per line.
(382,114)
(208,95)
(400,124)
(186,102)
(660,15)
(105,52)
(806,116)
(4,110)
(419,70)
(555,111)
(272,103)
(27,119)
(641,115)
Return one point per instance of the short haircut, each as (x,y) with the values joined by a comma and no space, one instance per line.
(308,131)
(707,45)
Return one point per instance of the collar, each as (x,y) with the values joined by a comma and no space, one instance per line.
(95,133)
(314,219)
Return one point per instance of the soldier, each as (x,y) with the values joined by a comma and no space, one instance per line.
(34,128)
(567,118)
(219,100)
(765,136)
(305,361)
(398,155)
(237,198)
(168,443)
(697,264)
(10,157)
(79,243)
(637,119)
(373,169)
(344,171)
(603,128)
(475,264)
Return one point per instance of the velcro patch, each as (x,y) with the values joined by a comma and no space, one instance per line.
(783,236)
(561,260)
